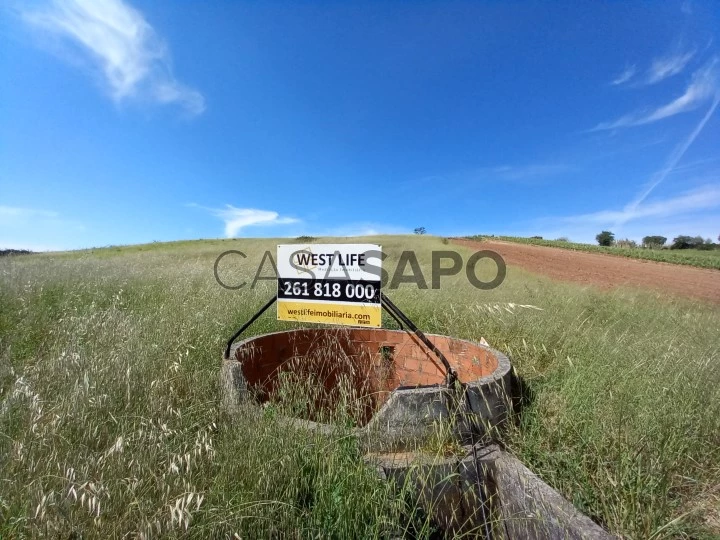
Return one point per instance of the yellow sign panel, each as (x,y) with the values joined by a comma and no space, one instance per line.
(328,313)
(330,284)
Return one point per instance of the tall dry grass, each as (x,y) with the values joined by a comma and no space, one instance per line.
(110,422)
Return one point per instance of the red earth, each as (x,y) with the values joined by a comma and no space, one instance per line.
(606,271)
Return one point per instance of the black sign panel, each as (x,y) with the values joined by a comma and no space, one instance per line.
(334,290)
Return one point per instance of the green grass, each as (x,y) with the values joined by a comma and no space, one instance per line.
(110,421)
(688,257)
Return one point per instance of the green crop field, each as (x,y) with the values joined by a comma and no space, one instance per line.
(110,422)
(690,257)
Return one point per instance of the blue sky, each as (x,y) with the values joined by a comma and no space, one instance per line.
(127,122)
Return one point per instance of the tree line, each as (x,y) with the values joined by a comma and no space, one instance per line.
(607,238)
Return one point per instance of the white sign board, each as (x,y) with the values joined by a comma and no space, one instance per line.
(329,283)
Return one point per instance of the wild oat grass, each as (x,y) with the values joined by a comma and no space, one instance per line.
(110,422)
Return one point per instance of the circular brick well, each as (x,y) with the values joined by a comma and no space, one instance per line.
(394,383)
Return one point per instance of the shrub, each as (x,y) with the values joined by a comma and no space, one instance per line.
(707,245)
(626,243)
(4,252)
(420,230)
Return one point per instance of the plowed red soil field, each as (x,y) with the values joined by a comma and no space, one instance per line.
(606,271)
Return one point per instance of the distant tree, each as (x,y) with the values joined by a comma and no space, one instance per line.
(654,241)
(687,242)
(562,239)
(420,230)
(707,245)
(681,242)
(605,238)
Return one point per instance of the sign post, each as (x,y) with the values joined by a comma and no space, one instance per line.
(330,284)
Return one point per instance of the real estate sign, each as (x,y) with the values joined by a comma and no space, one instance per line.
(329,283)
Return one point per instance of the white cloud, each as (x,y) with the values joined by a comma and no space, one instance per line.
(133,59)
(625,76)
(236,219)
(705,86)
(662,68)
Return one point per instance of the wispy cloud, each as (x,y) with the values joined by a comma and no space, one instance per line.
(673,159)
(661,68)
(360,229)
(668,66)
(8,244)
(529,171)
(15,213)
(505,172)
(705,86)
(237,219)
(694,212)
(652,216)
(134,60)
(705,198)
(625,76)
(35,229)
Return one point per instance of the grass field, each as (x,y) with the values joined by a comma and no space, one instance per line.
(689,257)
(110,422)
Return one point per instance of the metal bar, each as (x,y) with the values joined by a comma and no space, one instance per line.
(245,326)
(398,314)
(392,314)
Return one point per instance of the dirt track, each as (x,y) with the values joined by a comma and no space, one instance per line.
(606,271)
